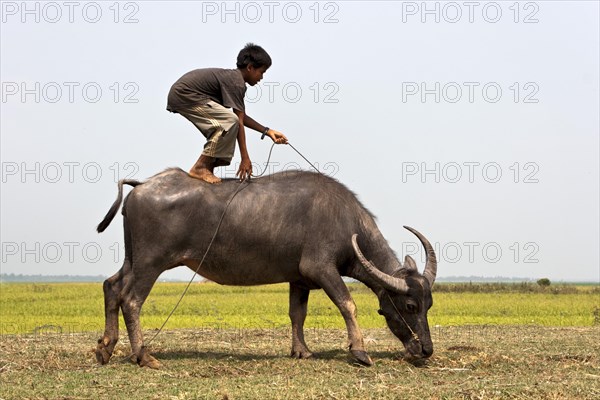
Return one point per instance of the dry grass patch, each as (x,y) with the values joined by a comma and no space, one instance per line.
(470,362)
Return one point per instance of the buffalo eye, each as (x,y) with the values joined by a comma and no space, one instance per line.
(411,308)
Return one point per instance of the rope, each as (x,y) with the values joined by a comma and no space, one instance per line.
(305,159)
(267,163)
(414,335)
(296,150)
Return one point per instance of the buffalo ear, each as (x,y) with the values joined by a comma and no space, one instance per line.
(409,263)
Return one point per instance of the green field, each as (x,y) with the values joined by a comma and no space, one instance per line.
(233,343)
(79,307)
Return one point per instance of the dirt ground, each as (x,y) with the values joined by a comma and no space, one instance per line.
(469,362)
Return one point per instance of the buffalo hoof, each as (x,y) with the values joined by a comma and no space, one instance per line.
(362,357)
(103,352)
(102,356)
(150,362)
(144,359)
(301,354)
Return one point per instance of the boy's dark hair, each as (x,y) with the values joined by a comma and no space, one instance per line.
(254,55)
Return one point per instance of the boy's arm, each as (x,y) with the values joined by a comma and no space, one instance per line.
(245,169)
(275,136)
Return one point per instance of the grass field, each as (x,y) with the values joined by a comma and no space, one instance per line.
(232,342)
(79,307)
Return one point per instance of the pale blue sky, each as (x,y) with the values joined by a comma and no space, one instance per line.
(360,76)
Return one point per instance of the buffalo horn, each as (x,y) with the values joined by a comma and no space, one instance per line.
(431,263)
(387,281)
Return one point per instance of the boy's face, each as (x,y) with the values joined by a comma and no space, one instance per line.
(254,75)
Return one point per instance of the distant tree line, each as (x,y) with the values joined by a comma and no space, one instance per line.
(51,278)
(478,279)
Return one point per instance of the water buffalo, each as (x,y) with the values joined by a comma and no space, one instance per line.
(298,227)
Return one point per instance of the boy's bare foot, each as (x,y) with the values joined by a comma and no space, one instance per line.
(204,174)
(203,169)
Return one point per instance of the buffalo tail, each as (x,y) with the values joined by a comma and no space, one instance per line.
(115,207)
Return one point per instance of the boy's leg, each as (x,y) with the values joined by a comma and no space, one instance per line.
(220,126)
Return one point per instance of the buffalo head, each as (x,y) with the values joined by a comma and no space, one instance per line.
(406,298)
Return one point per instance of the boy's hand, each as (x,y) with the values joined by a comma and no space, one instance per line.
(245,169)
(277,137)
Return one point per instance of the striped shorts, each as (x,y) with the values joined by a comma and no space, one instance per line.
(219,125)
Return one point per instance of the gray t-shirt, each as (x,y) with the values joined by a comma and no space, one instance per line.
(224,86)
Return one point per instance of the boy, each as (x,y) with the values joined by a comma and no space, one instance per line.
(204,97)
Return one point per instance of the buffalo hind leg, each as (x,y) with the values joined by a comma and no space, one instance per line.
(337,291)
(112,301)
(135,293)
(298,306)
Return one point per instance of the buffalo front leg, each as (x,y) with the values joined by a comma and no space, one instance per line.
(112,288)
(298,306)
(338,292)
(135,293)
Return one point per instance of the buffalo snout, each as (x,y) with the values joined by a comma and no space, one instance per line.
(416,350)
